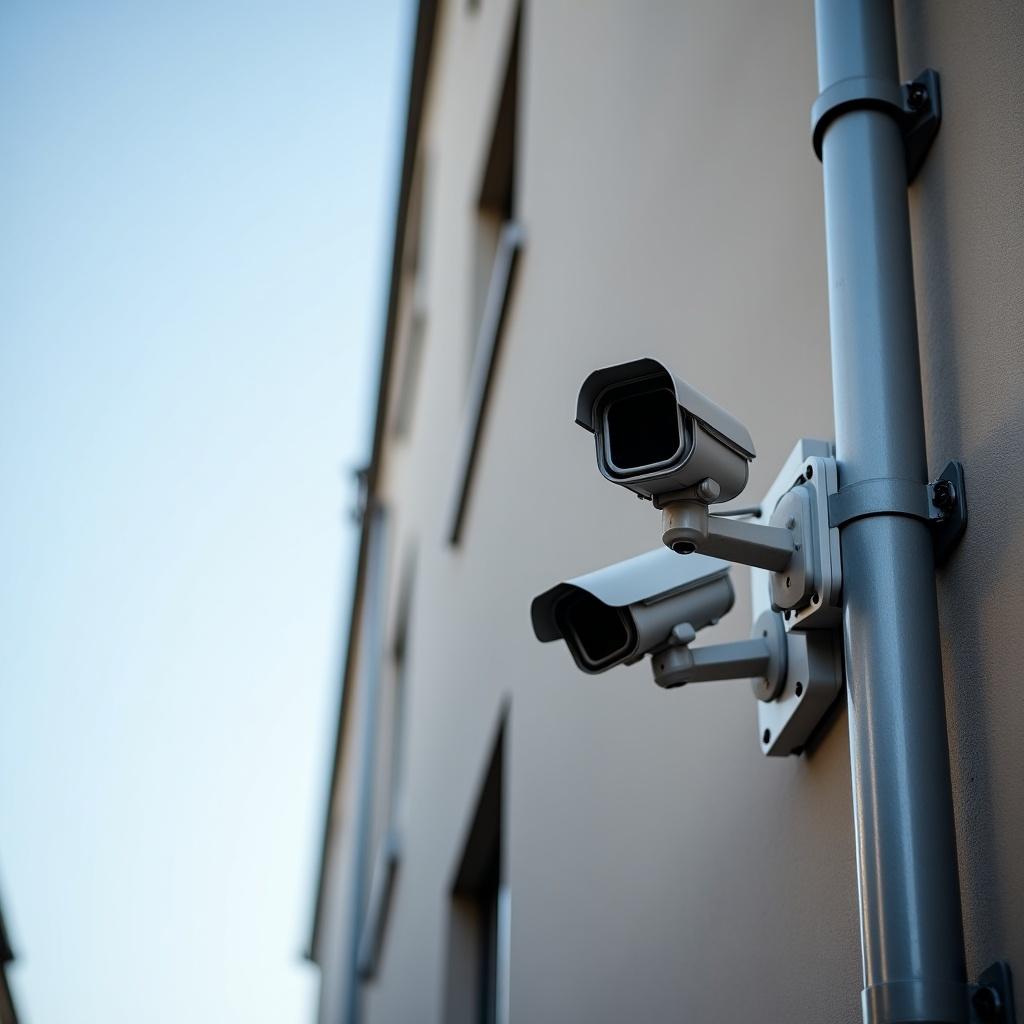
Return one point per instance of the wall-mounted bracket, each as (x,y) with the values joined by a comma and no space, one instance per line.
(948,496)
(688,526)
(991,1000)
(814,675)
(795,676)
(764,656)
(808,591)
(942,504)
(916,106)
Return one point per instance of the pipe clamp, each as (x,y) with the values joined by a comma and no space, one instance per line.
(942,504)
(915,106)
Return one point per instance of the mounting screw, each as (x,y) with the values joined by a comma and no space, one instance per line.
(944,496)
(987,1005)
(708,489)
(917,96)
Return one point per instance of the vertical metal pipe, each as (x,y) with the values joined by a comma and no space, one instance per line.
(910,918)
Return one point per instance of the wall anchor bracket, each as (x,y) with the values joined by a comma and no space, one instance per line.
(916,107)
(942,504)
(949,499)
(991,999)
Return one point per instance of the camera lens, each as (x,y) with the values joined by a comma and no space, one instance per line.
(598,636)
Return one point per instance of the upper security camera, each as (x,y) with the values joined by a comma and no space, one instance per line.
(666,441)
(662,438)
(620,613)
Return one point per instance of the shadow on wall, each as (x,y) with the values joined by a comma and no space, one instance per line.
(962,234)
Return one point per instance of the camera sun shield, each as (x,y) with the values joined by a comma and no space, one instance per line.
(660,437)
(620,613)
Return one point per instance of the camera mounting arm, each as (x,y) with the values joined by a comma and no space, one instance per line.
(763,658)
(688,526)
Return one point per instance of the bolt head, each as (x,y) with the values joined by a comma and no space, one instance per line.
(917,96)
(986,1003)
(944,495)
(708,489)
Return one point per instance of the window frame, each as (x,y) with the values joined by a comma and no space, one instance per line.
(499,291)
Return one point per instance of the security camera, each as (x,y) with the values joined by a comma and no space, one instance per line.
(620,613)
(662,438)
(656,604)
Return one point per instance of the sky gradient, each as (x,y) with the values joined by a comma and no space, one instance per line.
(196,203)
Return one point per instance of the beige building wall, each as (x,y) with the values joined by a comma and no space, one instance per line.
(660,868)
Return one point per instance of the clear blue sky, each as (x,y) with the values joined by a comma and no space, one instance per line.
(196,201)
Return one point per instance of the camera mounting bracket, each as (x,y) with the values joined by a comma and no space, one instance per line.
(808,591)
(764,656)
(815,673)
(688,526)
(813,681)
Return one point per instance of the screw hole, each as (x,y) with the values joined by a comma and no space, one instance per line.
(815,599)
(799,688)
(788,582)
(764,632)
(810,472)
(766,738)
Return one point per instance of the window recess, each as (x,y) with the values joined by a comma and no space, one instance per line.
(498,244)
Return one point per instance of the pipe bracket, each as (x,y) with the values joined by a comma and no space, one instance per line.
(916,107)
(991,999)
(942,504)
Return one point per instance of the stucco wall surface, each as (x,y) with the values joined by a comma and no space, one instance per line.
(660,867)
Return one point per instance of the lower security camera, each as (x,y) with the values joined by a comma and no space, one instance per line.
(620,613)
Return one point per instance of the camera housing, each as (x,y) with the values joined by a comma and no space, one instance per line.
(619,614)
(660,437)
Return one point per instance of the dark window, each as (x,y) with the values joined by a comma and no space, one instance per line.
(412,324)
(480,926)
(496,199)
(498,243)
(388,854)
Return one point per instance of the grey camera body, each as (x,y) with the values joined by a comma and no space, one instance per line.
(660,437)
(619,614)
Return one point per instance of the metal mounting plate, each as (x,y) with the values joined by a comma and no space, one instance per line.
(949,527)
(814,653)
(922,117)
(814,677)
(810,465)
